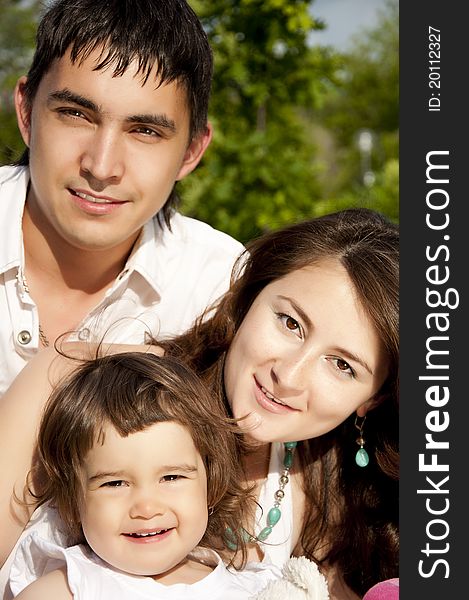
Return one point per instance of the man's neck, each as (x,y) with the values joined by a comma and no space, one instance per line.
(50,258)
(66,283)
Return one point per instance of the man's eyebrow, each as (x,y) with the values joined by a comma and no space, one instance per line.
(157,120)
(66,95)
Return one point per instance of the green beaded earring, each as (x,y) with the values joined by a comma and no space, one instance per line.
(361,457)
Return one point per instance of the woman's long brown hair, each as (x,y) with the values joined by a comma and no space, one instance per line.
(352,513)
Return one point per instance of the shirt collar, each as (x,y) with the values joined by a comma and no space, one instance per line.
(144,258)
(13,187)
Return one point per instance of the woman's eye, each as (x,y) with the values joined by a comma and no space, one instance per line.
(344,367)
(289,322)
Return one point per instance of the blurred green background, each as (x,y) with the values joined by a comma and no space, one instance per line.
(301,129)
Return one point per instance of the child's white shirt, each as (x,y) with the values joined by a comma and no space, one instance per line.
(277,548)
(90,578)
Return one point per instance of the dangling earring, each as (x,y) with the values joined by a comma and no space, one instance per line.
(361,457)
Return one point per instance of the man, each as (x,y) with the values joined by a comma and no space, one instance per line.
(113,113)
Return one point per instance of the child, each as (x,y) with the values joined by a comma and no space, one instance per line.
(141,466)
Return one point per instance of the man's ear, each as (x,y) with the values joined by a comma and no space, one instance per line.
(23,110)
(195,151)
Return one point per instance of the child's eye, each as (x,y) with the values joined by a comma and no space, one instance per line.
(171,477)
(116,483)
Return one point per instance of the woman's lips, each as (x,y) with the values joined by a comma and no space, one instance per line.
(269,402)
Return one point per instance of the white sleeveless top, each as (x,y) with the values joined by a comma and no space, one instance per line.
(90,578)
(277,547)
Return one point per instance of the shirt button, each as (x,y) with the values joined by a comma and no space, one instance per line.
(24,337)
(83,334)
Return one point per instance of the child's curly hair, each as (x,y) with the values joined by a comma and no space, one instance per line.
(132,391)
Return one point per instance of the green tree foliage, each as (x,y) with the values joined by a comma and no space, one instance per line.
(258,172)
(366,98)
(286,113)
(17,30)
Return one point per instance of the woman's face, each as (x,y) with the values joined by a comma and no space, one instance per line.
(305,357)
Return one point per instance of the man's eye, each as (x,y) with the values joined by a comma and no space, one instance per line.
(147,131)
(71,112)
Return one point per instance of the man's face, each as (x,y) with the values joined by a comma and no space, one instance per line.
(105,152)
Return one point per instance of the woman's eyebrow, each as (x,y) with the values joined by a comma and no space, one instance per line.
(354,358)
(298,309)
(342,351)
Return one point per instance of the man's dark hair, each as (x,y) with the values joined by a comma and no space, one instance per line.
(163,32)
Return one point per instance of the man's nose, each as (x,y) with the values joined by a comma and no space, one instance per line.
(103,157)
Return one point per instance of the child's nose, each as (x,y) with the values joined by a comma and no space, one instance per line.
(146,505)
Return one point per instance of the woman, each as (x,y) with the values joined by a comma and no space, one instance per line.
(305,344)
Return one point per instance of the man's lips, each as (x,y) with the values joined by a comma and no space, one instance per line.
(95,199)
(95,205)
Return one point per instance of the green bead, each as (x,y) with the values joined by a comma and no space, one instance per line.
(230,539)
(362,458)
(290,445)
(288,460)
(264,534)
(247,537)
(273,516)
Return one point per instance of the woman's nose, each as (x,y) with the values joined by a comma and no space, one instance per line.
(291,372)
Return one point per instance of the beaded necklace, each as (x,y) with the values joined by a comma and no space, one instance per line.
(274,514)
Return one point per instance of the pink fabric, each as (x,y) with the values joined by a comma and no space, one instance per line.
(384,590)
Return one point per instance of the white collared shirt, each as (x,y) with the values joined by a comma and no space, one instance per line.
(169,279)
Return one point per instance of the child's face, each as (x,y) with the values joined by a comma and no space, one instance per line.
(145,499)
